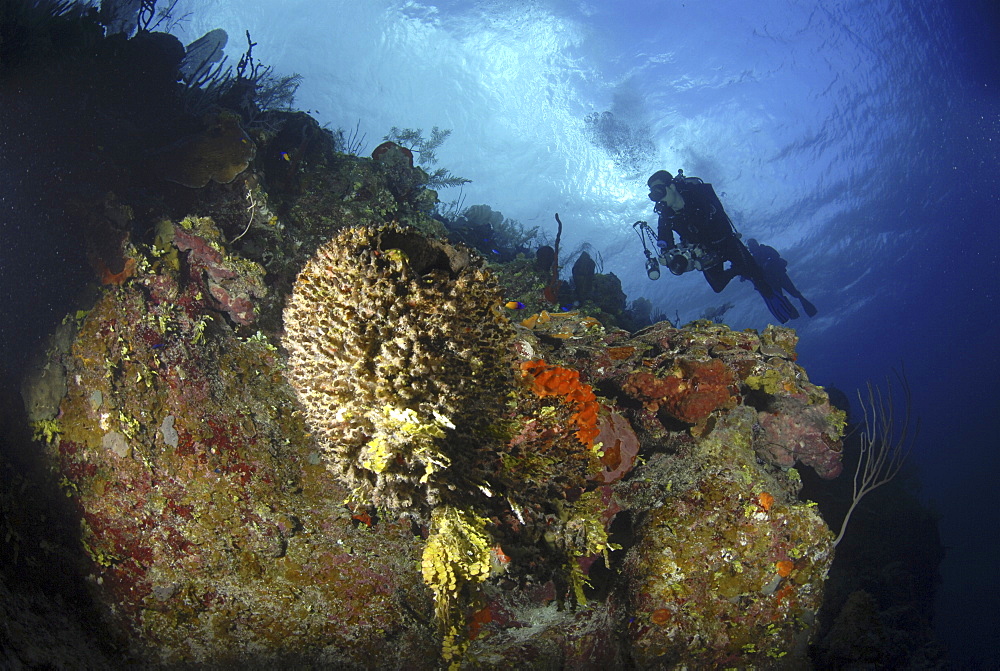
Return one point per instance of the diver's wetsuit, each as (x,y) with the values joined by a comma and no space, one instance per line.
(703,221)
(774,269)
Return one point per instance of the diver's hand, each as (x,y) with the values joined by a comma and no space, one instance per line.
(661,251)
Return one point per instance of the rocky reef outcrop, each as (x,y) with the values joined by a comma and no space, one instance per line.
(422,468)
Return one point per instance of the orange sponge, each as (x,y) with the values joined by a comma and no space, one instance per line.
(557,381)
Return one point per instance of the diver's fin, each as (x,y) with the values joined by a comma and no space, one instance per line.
(808,307)
(780,307)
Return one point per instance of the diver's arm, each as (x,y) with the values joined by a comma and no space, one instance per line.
(664,226)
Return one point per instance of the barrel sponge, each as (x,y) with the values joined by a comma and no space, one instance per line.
(398,352)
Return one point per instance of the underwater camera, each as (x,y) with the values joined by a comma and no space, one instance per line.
(680,261)
(685,258)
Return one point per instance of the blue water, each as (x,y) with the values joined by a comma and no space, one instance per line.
(859,138)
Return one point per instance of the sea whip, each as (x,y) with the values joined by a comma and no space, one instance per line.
(551,291)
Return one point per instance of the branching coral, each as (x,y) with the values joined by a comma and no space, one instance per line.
(414,140)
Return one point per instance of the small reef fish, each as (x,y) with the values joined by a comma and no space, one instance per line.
(514,305)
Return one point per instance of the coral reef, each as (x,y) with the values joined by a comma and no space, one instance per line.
(496,237)
(233,283)
(803,433)
(406,181)
(608,295)
(725,572)
(412,140)
(690,391)
(688,374)
(556,381)
(619,446)
(44,384)
(457,553)
(583,276)
(211,527)
(552,453)
(214,521)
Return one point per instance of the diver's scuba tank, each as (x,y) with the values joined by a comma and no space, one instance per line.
(681,178)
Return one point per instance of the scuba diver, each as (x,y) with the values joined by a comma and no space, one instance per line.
(775,271)
(708,239)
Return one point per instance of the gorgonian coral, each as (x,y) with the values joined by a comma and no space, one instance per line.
(398,353)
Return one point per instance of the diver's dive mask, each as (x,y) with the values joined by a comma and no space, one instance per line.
(658,183)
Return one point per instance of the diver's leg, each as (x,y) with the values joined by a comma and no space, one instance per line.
(787,285)
(718,277)
(779,306)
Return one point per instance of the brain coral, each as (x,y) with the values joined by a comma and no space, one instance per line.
(397,351)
